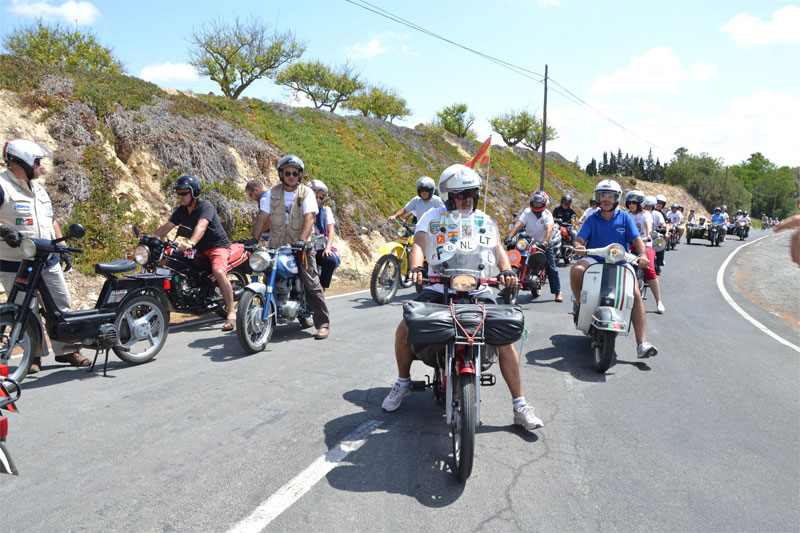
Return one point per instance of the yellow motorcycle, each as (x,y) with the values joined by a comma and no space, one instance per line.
(391,270)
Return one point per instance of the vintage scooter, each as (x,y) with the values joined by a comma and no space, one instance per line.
(606,302)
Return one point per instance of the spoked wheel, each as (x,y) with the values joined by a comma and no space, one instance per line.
(463,429)
(604,350)
(385,279)
(567,256)
(254,333)
(437,387)
(18,359)
(143,323)
(238,283)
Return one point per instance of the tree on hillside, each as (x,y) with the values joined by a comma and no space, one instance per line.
(591,168)
(40,43)
(457,121)
(774,188)
(235,55)
(325,86)
(379,102)
(535,138)
(513,127)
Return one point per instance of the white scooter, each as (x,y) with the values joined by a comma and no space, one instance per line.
(606,301)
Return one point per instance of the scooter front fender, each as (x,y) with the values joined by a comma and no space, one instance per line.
(391,248)
(610,318)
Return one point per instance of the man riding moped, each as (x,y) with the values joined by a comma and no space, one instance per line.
(460,186)
(420,204)
(611,225)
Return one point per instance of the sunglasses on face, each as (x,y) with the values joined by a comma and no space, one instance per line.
(320,197)
(463,195)
(288,173)
(37,162)
(184,193)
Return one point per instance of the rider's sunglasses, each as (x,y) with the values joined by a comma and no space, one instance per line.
(320,196)
(463,195)
(288,173)
(184,193)
(37,162)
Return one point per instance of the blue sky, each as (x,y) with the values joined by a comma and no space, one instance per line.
(716,77)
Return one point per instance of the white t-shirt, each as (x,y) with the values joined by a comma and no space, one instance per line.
(675,218)
(658,218)
(309,203)
(535,226)
(418,207)
(640,219)
(589,212)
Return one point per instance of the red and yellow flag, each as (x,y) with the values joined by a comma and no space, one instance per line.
(482,157)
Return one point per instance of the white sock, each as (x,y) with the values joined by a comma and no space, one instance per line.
(519,403)
(404,382)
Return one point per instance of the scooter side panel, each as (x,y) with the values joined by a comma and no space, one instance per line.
(590,295)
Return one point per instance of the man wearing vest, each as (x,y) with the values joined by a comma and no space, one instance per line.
(27,212)
(288,210)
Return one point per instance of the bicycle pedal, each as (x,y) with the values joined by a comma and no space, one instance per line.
(487,380)
(418,385)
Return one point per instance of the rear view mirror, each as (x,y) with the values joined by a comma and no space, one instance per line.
(75,231)
(184,231)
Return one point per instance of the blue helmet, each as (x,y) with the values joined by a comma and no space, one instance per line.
(187,181)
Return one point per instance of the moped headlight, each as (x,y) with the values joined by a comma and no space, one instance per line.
(28,248)
(141,255)
(522,244)
(616,252)
(402,232)
(259,261)
(464,282)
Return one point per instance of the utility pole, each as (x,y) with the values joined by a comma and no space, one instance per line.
(725,186)
(544,130)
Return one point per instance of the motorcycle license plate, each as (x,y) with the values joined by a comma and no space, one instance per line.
(162,271)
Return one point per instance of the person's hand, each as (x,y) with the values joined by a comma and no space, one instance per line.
(642,261)
(508,278)
(299,245)
(794,248)
(508,241)
(10,235)
(327,252)
(66,261)
(416,275)
(579,250)
(543,246)
(392,217)
(182,247)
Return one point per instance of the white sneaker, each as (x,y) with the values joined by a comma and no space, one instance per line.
(645,349)
(660,308)
(525,417)
(395,396)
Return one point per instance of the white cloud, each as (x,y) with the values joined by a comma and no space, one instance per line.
(764,121)
(72,12)
(298,99)
(169,72)
(783,28)
(657,71)
(376,46)
(555,3)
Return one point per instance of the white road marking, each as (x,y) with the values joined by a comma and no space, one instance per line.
(756,323)
(346,294)
(297,487)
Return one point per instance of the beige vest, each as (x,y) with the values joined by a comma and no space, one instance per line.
(281,232)
(28,211)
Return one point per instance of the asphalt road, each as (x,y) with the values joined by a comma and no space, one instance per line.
(702,437)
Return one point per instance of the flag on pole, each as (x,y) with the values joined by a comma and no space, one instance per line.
(482,157)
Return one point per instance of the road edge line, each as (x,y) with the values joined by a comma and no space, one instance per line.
(735,306)
(292,491)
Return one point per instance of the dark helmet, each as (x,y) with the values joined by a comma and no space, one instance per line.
(674,206)
(717,209)
(566,198)
(593,201)
(290,161)
(187,181)
(426,183)
(635,196)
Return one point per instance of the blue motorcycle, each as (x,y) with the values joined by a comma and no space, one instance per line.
(278,298)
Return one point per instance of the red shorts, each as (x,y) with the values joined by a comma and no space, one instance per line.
(218,257)
(650,271)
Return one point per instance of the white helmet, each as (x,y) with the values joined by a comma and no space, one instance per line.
(426,184)
(661,198)
(317,185)
(650,200)
(24,153)
(608,185)
(456,178)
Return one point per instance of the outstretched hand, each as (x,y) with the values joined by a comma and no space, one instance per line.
(792,223)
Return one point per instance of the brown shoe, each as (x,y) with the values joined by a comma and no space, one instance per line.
(74,359)
(36,365)
(322,333)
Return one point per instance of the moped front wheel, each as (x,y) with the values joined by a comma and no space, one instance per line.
(254,333)
(463,429)
(18,358)
(604,350)
(143,325)
(511,295)
(385,279)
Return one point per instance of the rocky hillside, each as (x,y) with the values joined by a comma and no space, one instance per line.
(118,143)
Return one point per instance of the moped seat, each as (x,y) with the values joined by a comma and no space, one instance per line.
(115,267)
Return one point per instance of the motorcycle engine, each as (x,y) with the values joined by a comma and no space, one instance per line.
(289,310)
(108,336)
